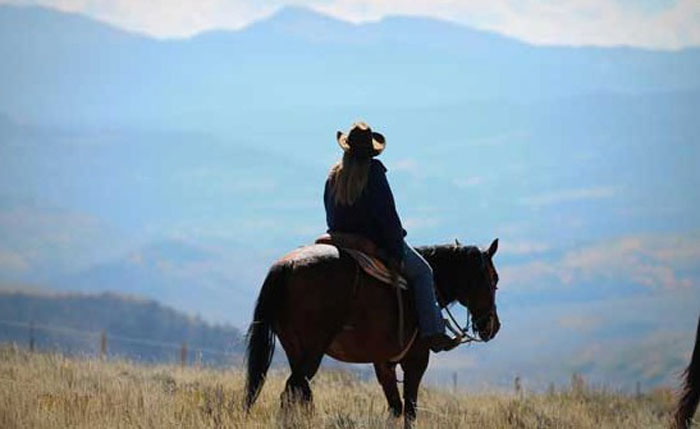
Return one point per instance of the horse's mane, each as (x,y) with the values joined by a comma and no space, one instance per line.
(447,260)
(448,252)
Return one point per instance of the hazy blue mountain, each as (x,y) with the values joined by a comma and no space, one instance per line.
(567,173)
(79,72)
(200,281)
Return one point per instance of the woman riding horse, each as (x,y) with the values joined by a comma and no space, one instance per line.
(358,200)
(317,300)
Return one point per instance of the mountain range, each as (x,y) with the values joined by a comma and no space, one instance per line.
(296,60)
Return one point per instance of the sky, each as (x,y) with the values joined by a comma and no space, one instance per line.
(660,24)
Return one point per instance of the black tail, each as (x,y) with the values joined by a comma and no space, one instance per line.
(261,338)
(690,395)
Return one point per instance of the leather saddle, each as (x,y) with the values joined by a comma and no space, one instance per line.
(373,260)
(353,241)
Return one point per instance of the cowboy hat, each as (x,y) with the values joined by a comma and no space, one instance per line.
(361,141)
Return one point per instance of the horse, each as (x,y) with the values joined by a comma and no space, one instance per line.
(690,394)
(318,301)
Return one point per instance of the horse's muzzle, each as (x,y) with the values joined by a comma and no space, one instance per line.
(489,328)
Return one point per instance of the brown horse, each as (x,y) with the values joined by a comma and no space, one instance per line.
(690,394)
(318,301)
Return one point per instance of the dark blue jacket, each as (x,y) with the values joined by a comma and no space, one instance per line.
(373,215)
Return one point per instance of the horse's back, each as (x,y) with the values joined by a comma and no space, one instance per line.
(316,293)
(313,254)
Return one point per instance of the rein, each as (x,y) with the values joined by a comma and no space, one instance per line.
(462,333)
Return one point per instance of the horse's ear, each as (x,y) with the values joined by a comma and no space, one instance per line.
(492,248)
(457,243)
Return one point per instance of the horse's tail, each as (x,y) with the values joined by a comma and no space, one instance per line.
(690,394)
(261,337)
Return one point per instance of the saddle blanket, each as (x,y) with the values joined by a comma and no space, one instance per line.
(374,267)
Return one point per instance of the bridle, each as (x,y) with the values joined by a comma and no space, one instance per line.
(462,332)
(467,333)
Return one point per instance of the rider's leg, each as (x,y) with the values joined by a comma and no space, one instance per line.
(420,278)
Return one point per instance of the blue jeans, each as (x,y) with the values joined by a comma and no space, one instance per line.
(420,278)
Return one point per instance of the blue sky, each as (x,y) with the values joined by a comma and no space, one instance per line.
(668,24)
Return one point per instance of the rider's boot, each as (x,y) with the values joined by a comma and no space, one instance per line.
(442,342)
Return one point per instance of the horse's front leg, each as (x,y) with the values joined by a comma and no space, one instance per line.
(413,366)
(386,374)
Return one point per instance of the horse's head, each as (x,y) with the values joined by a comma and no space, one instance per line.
(477,291)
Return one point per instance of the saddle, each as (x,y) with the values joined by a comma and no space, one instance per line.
(352,241)
(371,259)
(368,255)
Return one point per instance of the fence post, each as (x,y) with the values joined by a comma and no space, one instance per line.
(454,382)
(578,384)
(183,354)
(31,336)
(198,359)
(103,345)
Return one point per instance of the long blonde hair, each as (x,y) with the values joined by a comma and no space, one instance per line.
(348,178)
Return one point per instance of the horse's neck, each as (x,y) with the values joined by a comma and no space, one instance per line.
(441,273)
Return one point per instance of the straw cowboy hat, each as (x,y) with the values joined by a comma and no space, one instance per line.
(361,141)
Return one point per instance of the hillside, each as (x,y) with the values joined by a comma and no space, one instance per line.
(62,392)
(135,328)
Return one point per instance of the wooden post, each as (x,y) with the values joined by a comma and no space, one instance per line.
(183,355)
(31,336)
(578,385)
(518,385)
(103,345)
(454,381)
(198,359)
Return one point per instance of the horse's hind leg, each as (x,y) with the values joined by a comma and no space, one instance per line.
(297,388)
(316,307)
(386,374)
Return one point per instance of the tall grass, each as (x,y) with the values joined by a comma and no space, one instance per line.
(42,390)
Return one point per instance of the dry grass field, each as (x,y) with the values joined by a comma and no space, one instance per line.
(41,390)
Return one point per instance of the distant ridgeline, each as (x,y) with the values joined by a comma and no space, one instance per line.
(133,328)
